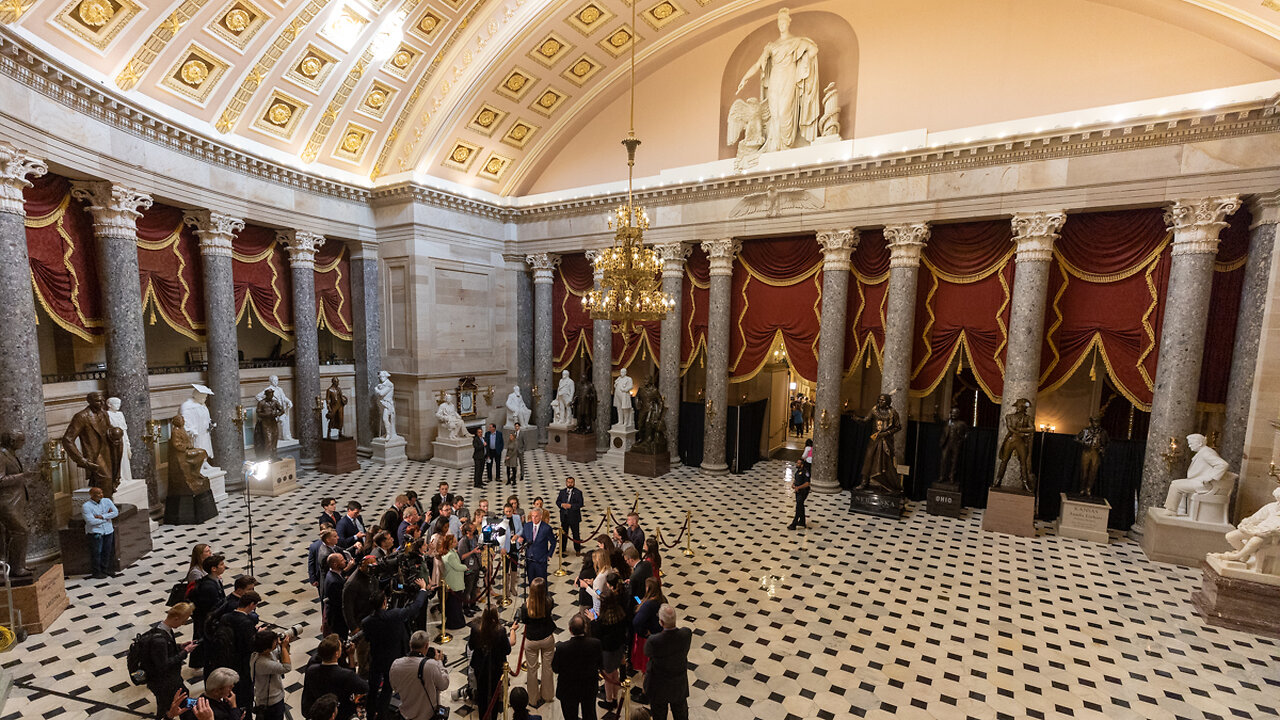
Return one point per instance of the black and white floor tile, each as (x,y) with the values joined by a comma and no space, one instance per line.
(927,617)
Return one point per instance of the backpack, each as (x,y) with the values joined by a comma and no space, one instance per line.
(138,656)
(220,638)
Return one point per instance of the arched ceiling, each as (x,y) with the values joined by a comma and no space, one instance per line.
(472,92)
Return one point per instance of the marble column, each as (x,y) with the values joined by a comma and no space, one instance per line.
(216,232)
(837,245)
(1033,234)
(906,245)
(543,265)
(115,211)
(302,247)
(673,256)
(602,370)
(721,254)
(366,341)
(21,392)
(1249,321)
(1196,225)
(524,326)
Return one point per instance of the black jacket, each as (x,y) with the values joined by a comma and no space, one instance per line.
(208,595)
(578,662)
(388,631)
(667,678)
(449,497)
(333,586)
(477,448)
(574,498)
(324,679)
(390,519)
(163,659)
(357,598)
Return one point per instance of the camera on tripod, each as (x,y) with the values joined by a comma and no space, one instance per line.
(490,534)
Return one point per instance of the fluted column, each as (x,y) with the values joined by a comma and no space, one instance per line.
(837,245)
(673,256)
(1034,234)
(216,232)
(302,247)
(906,245)
(1196,225)
(602,369)
(115,211)
(721,254)
(366,311)
(543,265)
(21,391)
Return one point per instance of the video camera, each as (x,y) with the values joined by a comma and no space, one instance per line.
(490,534)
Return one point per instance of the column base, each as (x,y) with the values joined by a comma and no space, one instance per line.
(715,469)
(827,488)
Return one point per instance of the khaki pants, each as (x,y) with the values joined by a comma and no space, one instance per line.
(538,680)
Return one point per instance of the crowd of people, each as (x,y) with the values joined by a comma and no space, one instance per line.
(388,590)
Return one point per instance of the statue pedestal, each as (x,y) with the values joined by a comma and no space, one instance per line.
(868,502)
(1084,519)
(620,442)
(1181,540)
(1233,597)
(1012,512)
(557,439)
(389,451)
(285,448)
(338,456)
(282,477)
(944,499)
(41,601)
(582,447)
(647,464)
(452,453)
(217,484)
(189,509)
(133,540)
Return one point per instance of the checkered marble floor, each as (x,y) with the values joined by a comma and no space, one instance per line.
(927,617)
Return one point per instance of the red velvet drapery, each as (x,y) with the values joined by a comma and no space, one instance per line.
(1224,308)
(63,253)
(963,303)
(693,306)
(333,288)
(865,305)
(264,286)
(169,270)
(776,292)
(573,279)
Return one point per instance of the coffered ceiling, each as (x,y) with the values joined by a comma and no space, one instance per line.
(469,91)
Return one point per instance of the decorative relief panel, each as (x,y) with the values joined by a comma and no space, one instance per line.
(552,48)
(547,101)
(428,26)
(195,74)
(353,143)
(280,115)
(461,156)
(618,41)
(516,84)
(312,68)
(97,22)
(344,27)
(238,22)
(519,133)
(663,13)
(376,100)
(494,167)
(402,61)
(590,17)
(486,120)
(161,36)
(581,70)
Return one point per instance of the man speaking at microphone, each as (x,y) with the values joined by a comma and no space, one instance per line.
(539,542)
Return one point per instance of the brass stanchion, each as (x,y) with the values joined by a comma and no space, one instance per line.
(688,538)
(506,570)
(444,614)
(635,504)
(560,571)
(506,691)
(488,565)
(624,702)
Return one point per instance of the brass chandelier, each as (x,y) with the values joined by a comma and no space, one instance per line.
(630,273)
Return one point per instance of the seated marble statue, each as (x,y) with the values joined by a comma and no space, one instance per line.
(1259,531)
(185,461)
(450,421)
(1204,476)
(517,411)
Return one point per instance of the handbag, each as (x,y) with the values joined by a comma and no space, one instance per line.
(437,712)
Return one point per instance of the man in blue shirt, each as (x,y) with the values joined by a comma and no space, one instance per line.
(493,451)
(98,513)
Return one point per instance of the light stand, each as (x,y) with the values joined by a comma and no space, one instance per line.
(252,471)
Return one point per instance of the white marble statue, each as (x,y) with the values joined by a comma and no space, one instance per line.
(277,393)
(829,123)
(622,400)
(385,392)
(116,419)
(451,422)
(517,411)
(788,70)
(562,406)
(746,121)
(1256,535)
(1203,476)
(198,424)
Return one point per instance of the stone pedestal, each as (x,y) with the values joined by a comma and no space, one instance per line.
(189,509)
(582,447)
(1012,512)
(620,442)
(389,451)
(557,439)
(338,456)
(1084,519)
(867,502)
(133,492)
(281,477)
(646,464)
(1181,540)
(452,453)
(1232,597)
(133,540)
(218,484)
(40,602)
(944,499)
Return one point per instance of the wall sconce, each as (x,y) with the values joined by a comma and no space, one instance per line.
(488,395)
(1172,454)
(711,410)
(54,455)
(824,422)
(239,417)
(441,395)
(1047,428)
(152,435)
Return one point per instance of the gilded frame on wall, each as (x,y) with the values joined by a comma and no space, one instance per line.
(466,397)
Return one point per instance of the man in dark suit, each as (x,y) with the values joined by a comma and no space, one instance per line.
(443,497)
(634,534)
(388,634)
(351,526)
(493,450)
(540,543)
(391,518)
(163,657)
(329,512)
(570,503)
(641,570)
(578,661)
(478,452)
(666,682)
(409,528)
(326,676)
(331,591)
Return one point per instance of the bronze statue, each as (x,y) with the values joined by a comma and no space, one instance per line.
(1017,441)
(336,404)
(1093,441)
(651,430)
(953,437)
(586,407)
(96,453)
(880,468)
(185,461)
(13,502)
(266,426)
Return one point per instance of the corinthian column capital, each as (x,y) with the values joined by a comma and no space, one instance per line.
(215,230)
(836,247)
(115,208)
(673,256)
(721,254)
(15,166)
(906,243)
(302,246)
(1196,224)
(543,264)
(1035,233)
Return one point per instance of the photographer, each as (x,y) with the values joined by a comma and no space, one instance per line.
(388,635)
(267,668)
(327,676)
(419,679)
